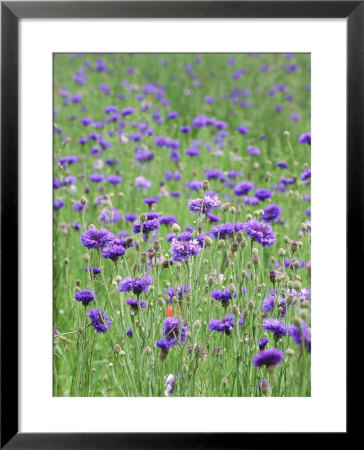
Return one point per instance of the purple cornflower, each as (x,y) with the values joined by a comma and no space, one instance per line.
(305,175)
(109,216)
(204,205)
(85,296)
(222,296)
(130,217)
(152,215)
(185,129)
(182,251)
(176,291)
(173,331)
(213,174)
(282,165)
(276,327)
(94,270)
(86,121)
(94,238)
(167,220)
(301,335)
(97,178)
(305,138)
(142,183)
(150,201)
(268,303)
(225,325)
(137,227)
(243,130)
(100,320)
(194,185)
(243,188)
(253,151)
(163,345)
(263,194)
(170,385)
(222,231)
(262,343)
(127,111)
(58,204)
(271,213)
(135,304)
(193,152)
(271,357)
(150,225)
(135,285)
(78,206)
(114,179)
(114,252)
(260,232)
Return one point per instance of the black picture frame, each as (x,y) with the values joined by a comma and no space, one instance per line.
(11,13)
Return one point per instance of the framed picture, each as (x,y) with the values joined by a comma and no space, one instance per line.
(156,208)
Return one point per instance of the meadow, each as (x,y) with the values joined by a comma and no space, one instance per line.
(182,225)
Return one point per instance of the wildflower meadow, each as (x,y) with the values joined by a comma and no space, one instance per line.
(182,225)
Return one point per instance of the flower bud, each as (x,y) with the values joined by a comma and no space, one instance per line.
(226,206)
(78,282)
(234,247)
(156,245)
(297,321)
(66,261)
(86,257)
(143,217)
(249,217)
(286,133)
(232,210)
(83,200)
(207,241)
(205,185)
(255,259)
(281,252)
(196,324)
(221,244)
(239,236)
(295,284)
(176,228)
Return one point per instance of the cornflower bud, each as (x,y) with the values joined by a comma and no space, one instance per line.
(205,185)
(226,206)
(221,244)
(176,228)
